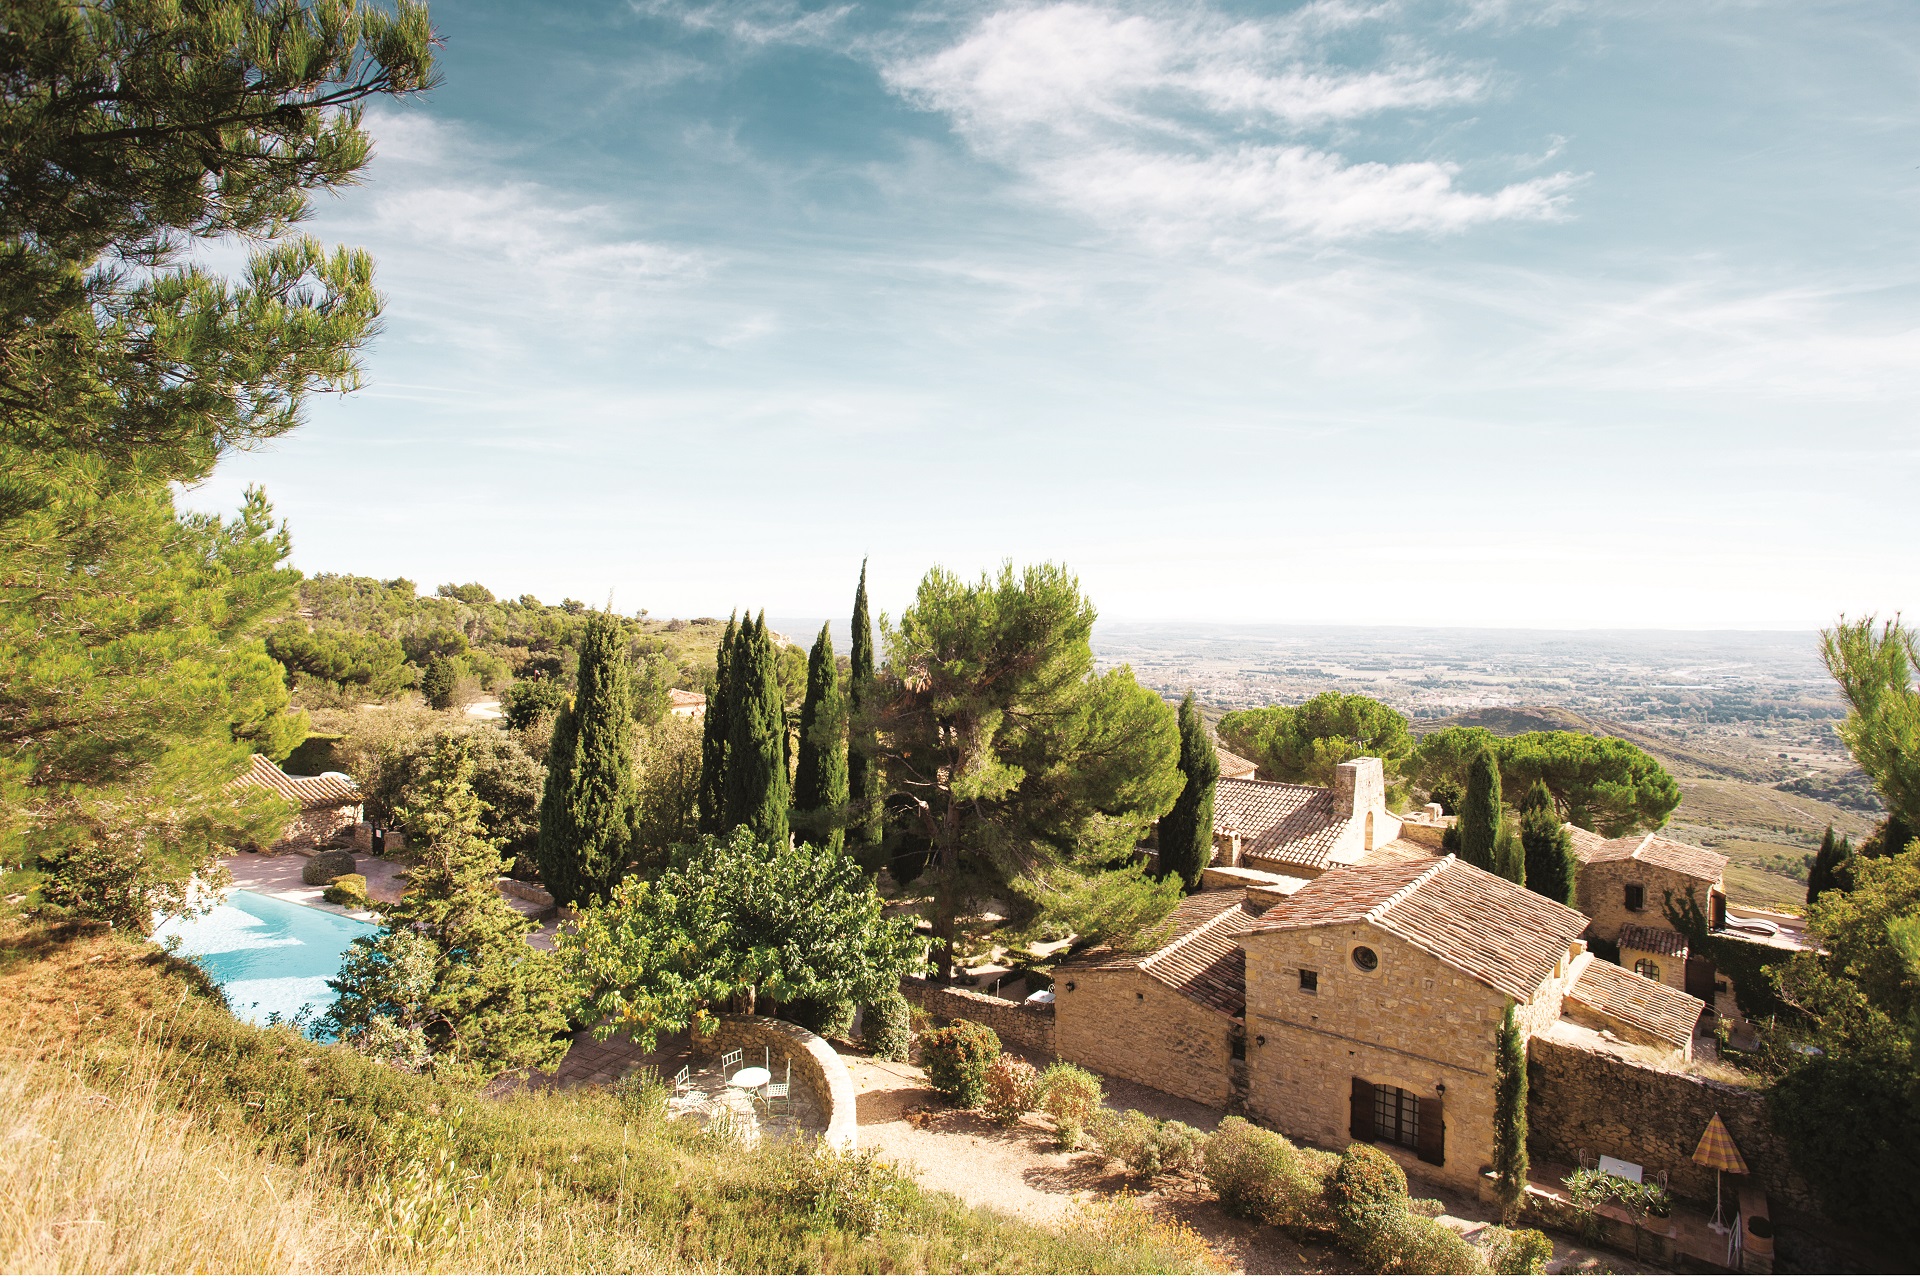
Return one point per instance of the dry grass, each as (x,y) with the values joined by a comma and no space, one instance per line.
(93,1183)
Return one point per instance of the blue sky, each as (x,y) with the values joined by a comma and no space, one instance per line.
(1475,312)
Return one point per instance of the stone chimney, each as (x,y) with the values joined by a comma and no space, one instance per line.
(1360,786)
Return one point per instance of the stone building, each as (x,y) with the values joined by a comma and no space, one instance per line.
(329,804)
(1626,881)
(682,703)
(1285,829)
(1364,1005)
(1233,766)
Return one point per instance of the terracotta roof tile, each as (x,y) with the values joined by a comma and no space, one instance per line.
(1585,842)
(682,698)
(1202,960)
(1233,766)
(328,789)
(1397,851)
(1656,942)
(1640,1002)
(1278,821)
(1656,850)
(1489,928)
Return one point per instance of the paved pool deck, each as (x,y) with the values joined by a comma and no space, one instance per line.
(277,875)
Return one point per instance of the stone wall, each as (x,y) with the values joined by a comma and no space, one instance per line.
(1017,1023)
(1603,895)
(1120,1022)
(319,826)
(1582,1097)
(816,1067)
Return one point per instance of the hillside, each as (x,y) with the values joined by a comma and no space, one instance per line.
(1731,801)
(190,1142)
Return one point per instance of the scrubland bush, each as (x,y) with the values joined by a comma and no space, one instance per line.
(1367,1192)
(1411,1245)
(1071,1096)
(888,1027)
(1517,1253)
(957,1058)
(1148,1147)
(832,1018)
(856,1191)
(1260,1175)
(347,891)
(643,1094)
(1012,1086)
(325,867)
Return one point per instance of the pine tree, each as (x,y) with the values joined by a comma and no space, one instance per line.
(863,769)
(488,1003)
(756,793)
(1509,855)
(1186,830)
(820,777)
(1552,867)
(713,737)
(1829,871)
(1510,1114)
(587,809)
(1480,811)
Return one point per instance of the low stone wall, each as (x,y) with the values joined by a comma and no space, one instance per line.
(816,1067)
(1018,1024)
(1582,1098)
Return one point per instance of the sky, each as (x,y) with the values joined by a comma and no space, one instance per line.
(1422,312)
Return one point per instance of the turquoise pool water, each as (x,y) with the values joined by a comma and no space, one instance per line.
(268,956)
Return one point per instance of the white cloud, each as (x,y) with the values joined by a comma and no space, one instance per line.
(757,22)
(1193,122)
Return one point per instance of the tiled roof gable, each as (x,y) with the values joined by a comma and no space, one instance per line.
(1640,1002)
(1279,821)
(1659,851)
(328,789)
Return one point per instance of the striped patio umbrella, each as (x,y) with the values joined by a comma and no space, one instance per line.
(1717,1152)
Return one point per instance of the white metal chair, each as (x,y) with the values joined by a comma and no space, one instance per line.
(780,1092)
(683,1080)
(728,1061)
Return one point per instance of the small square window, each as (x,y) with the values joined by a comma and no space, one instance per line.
(1310,980)
(1636,897)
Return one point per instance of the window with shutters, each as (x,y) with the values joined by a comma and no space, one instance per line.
(1396,1116)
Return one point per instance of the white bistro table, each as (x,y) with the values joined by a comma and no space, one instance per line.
(750,1078)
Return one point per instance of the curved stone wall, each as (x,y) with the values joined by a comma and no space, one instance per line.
(816,1067)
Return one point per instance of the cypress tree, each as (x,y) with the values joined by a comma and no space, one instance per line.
(1827,872)
(1186,830)
(587,809)
(1552,868)
(712,800)
(1509,855)
(863,770)
(756,792)
(1539,798)
(820,778)
(1510,1114)
(1480,811)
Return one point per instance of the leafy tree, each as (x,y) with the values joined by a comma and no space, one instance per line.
(371,664)
(1480,812)
(1509,855)
(1604,784)
(1829,870)
(438,682)
(1186,831)
(863,768)
(1025,777)
(667,778)
(492,1003)
(586,812)
(820,778)
(1851,1114)
(1510,1114)
(525,703)
(133,679)
(1444,756)
(756,784)
(734,922)
(1307,742)
(505,778)
(713,742)
(1553,869)
(1875,671)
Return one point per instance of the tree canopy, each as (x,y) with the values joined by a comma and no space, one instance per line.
(1307,742)
(734,920)
(1875,670)
(1604,784)
(1026,778)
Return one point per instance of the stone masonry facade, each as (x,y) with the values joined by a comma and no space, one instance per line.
(1122,1022)
(1018,1024)
(1603,895)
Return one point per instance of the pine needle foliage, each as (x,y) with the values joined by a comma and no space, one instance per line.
(1509,855)
(587,809)
(820,775)
(1186,830)
(1480,812)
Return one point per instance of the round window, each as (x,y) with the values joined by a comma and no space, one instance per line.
(1365,960)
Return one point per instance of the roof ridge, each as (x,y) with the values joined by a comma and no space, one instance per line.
(1204,925)
(1395,898)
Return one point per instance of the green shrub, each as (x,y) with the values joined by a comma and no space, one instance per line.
(643,1094)
(347,891)
(1517,1253)
(325,867)
(832,1018)
(888,1027)
(1148,1147)
(1012,1087)
(1368,1195)
(856,1191)
(1410,1245)
(1260,1175)
(1182,1146)
(1071,1096)
(957,1058)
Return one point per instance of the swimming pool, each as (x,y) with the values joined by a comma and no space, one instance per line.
(268,956)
